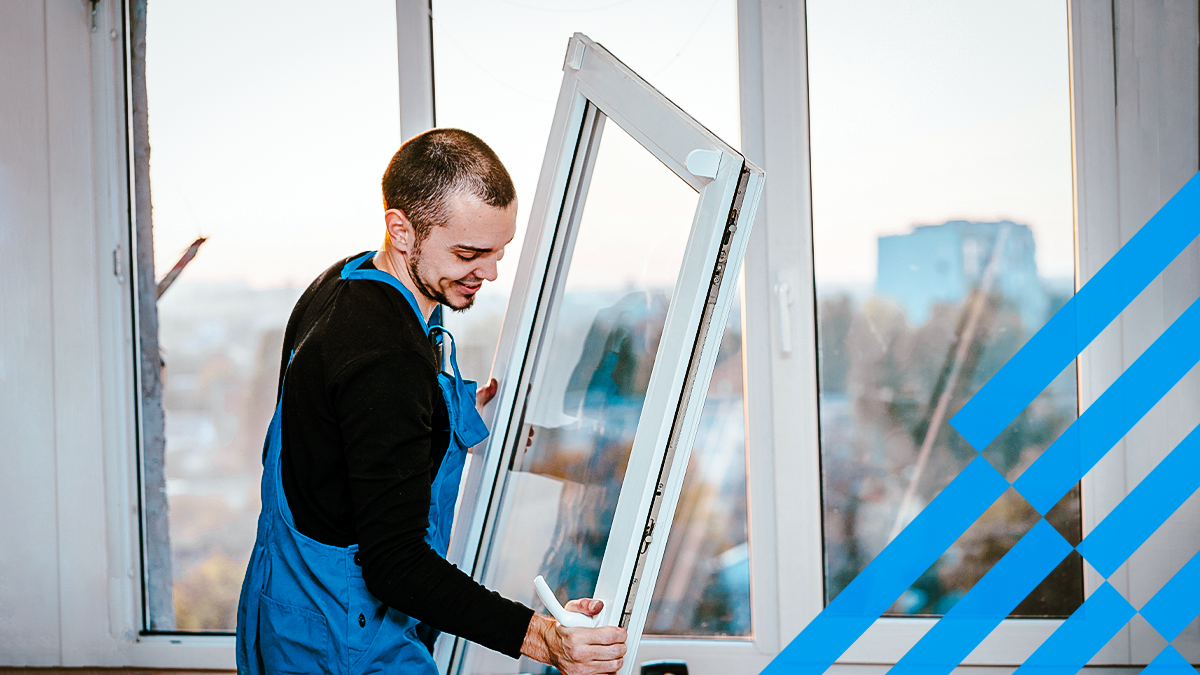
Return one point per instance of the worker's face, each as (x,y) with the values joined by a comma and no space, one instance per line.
(451,263)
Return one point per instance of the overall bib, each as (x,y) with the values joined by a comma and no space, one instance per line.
(304,607)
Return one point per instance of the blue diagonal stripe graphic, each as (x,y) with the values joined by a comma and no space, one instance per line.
(961,503)
(1169,662)
(1072,328)
(1177,603)
(1111,416)
(987,603)
(1146,508)
(1080,637)
(917,547)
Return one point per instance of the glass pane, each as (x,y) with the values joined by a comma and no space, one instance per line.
(703,585)
(588,386)
(272,145)
(943,239)
(509,54)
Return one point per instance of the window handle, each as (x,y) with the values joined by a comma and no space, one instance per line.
(783,298)
(569,619)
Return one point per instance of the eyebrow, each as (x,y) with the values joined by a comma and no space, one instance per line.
(475,249)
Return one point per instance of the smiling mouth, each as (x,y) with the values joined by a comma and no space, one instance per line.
(469,289)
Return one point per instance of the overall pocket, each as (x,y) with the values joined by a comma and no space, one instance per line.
(292,639)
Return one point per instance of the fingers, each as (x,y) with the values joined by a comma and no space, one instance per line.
(587,655)
(576,651)
(486,393)
(588,606)
(596,668)
(596,655)
(611,635)
(605,642)
(608,652)
(608,666)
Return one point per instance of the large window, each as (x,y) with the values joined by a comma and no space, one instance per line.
(943,239)
(271,149)
(270,124)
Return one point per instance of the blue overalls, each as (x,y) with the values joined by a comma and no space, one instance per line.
(304,607)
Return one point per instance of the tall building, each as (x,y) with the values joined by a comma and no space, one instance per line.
(943,263)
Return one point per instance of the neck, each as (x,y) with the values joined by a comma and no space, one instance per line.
(393,263)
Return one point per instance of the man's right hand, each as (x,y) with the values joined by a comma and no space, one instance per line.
(576,651)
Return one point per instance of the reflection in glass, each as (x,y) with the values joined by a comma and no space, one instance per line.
(703,585)
(498,52)
(508,54)
(588,386)
(943,239)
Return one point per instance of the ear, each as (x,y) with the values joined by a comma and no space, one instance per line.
(400,231)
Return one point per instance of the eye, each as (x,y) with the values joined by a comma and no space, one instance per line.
(469,256)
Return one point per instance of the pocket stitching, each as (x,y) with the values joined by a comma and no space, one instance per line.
(318,622)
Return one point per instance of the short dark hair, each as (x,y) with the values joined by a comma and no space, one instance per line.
(434,166)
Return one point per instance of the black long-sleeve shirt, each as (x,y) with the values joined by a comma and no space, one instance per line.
(364,430)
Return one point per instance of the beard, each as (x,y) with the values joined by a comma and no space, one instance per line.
(430,289)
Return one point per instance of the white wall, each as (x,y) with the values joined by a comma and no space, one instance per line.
(29,620)
(53,489)
(69,586)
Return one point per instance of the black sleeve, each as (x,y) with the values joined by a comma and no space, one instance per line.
(384,403)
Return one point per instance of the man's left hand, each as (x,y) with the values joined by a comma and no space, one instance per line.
(486,393)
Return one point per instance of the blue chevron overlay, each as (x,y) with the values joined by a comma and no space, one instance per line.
(1110,417)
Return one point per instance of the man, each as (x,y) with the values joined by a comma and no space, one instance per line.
(363,457)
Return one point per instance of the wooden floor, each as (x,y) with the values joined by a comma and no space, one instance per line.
(6,670)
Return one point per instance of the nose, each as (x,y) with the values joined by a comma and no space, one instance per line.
(487,269)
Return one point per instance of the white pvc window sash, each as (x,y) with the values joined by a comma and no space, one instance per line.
(597,88)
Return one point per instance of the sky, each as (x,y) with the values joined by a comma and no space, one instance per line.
(499,68)
(273,142)
(928,111)
(269,133)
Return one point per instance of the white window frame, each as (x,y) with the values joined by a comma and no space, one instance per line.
(597,89)
(102,611)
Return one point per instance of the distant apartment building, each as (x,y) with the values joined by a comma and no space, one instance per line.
(942,263)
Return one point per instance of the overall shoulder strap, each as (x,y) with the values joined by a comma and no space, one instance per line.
(352,271)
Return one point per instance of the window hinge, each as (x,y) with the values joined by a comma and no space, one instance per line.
(703,163)
(95,12)
(117,271)
(575,55)
(647,537)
